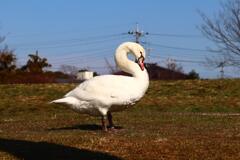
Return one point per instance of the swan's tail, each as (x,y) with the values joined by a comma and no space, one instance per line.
(67,100)
(75,104)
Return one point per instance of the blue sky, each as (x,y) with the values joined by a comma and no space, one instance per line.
(84,32)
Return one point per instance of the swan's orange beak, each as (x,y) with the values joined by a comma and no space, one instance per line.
(141,63)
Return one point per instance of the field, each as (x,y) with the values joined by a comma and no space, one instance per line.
(193,119)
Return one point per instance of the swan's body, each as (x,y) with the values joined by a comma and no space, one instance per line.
(102,95)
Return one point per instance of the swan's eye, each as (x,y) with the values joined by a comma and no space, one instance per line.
(141,55)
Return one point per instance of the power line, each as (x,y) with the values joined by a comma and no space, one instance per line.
(89,53)
(72,31)
(179,53)
(75,42)
(190,61)
(77,54)
(176,35)
(95,67)
(92,52)
(181,48)
(79,58)
(183,60)
(76,39)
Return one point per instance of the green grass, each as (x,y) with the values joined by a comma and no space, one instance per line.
(175,120)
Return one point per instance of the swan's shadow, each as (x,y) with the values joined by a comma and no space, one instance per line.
(29,150)
(86,127)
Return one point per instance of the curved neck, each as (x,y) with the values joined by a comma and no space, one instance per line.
(127,65)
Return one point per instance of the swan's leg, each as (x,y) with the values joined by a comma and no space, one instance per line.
(104,125)
(110,121)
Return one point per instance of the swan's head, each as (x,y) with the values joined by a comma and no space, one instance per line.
(139,54)
(130,48)
(138,51)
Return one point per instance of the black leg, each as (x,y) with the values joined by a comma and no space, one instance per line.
(110,121)
(104,125)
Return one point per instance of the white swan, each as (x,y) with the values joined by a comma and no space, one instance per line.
(104,94)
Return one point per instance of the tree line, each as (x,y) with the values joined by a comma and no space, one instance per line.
(35,63)
(31,72)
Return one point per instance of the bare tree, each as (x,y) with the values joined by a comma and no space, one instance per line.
(68,69)
(224,30)
(172,65)
(112,69)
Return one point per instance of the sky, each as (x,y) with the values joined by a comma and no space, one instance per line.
(84,33)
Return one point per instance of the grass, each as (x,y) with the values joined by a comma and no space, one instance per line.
(197,119)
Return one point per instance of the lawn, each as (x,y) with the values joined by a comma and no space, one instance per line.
(193,119)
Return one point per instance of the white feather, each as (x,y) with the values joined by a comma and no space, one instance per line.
(100,94)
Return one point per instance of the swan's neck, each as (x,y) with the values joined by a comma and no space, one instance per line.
(129,66)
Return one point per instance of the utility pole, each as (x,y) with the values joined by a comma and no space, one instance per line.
(137,33)
(36,52)
(221,66)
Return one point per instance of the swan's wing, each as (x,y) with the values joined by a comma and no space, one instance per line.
(104,87)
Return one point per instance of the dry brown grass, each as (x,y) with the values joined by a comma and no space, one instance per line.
(170,122)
